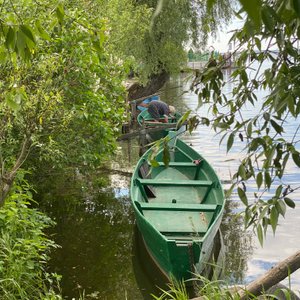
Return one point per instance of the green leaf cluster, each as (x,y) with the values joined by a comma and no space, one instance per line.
(267,61)
(62,98)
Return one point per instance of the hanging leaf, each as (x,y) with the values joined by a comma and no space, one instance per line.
(289,202)
(268,179)
(296,5)
(277,127)
(230,141)
(274,218)
(28,32)
(42,32)
(266,116)
(278,191)
(253,9)
(296,158)
(281,207)
(242,171)
(260,234)
(259,179)
(10,39)
(10,101)
(267,18)
(183,119)
(249,129)
(154,163)
(244,76)
(210,4)
(21,43)
(200,101)
(242,196)
(263,213)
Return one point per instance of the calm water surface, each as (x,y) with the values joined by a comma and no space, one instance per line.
(101,254)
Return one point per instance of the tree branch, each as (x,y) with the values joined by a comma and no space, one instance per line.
(8,177)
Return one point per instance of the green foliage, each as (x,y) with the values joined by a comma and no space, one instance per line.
(24,250)
(62,98)
(166,28)
(269,25)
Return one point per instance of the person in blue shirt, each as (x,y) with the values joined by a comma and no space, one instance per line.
(160,111)
(145,103)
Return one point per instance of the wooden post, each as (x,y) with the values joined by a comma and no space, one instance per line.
(142,140)
(133,111)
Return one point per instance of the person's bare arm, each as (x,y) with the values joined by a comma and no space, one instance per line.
(165,120)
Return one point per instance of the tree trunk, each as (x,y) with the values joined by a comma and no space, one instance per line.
(156,82)
(7,177)
(272,277)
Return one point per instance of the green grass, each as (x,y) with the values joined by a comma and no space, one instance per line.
(216,290)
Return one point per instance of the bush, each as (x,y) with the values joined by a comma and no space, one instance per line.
(24,251)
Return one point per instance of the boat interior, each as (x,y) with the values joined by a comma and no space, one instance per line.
(178,199)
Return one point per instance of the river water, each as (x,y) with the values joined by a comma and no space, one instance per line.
(101,254)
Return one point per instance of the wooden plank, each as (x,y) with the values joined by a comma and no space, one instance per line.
(147,130)
(178,164)
(178,206)
(144,172)
(164,182)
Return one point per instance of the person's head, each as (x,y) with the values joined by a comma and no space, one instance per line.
(172,110)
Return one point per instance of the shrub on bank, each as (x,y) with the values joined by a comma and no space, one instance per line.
(24,251)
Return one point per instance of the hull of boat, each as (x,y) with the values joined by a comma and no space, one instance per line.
(178,209)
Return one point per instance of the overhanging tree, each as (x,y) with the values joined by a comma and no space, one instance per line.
(173,26)
(271,34)
(61,94)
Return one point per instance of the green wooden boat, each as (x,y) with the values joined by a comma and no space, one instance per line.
(144,119)
(178,209)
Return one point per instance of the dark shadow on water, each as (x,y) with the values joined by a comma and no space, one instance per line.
(149,277)
(147,274)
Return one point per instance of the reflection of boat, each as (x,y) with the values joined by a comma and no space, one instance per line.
(178,209)
(145,119)
(148,277)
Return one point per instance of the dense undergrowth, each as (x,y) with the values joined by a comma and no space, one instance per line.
(24,250)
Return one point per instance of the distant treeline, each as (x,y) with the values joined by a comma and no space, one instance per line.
(201,56)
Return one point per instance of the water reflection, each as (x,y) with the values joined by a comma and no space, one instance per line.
(238,245)
(95,231)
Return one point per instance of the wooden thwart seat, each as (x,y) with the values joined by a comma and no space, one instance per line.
(178,206)
(179,164)
(164,182)
(144,172)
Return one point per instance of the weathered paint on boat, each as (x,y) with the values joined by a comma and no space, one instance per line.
(144,118)
(178,209)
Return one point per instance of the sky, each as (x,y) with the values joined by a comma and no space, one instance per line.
(221,42)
